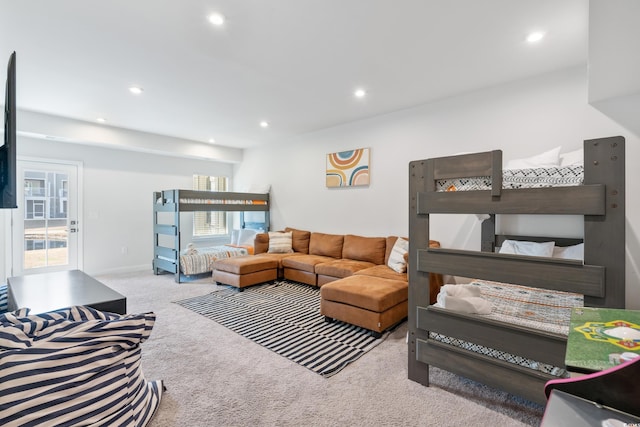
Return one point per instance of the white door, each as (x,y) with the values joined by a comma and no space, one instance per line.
(46,226)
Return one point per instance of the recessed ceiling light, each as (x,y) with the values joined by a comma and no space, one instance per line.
(535,37)
(212,141)
(101,120)
(136,90)
(264,124)
(216,19)
(359,93)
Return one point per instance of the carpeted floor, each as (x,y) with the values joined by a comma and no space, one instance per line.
(285,318)
(215,377)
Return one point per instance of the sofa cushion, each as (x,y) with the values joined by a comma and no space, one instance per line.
(245,264)
(370,249)
(382,271)
(300,240)
(391,240)
(326,245)
(371,293)
(276,257)
(305,262)
(342,267)
(280,242)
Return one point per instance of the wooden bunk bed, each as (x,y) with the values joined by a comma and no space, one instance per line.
(166,256)
(600,277)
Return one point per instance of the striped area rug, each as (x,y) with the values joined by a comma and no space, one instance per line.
(285,318)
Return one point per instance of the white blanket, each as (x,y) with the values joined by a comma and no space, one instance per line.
(464,298)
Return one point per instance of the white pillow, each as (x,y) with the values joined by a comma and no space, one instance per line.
(569,252)
(280,242)
(518,247)
(246,237)
(396,258)
(234,237)
(548,159)
(572,158)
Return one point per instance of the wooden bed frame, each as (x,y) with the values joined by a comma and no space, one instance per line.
(601,278)
(167,259)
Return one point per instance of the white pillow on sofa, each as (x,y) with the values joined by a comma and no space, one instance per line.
(548,159)
(396,258)
(518,247)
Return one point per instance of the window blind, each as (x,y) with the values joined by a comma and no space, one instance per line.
(210,223)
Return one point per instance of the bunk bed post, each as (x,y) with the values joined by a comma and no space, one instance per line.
(176,224)
(604,162)
(488,232)
(420,177)
(156,238)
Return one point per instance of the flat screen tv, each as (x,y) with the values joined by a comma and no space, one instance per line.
(8,150)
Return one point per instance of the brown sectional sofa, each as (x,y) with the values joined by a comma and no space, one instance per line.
(356,284)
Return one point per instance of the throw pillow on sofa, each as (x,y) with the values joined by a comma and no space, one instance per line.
(397,260)
(280,242)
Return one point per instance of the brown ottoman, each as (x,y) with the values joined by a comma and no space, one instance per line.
(245,271)
(373,303)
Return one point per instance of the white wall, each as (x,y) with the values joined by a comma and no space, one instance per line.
(117,199)
(521,118)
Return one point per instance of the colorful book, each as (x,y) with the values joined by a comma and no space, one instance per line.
(601,338)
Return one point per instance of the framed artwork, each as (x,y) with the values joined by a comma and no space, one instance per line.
(348,168)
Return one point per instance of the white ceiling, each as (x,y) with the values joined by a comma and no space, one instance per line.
(294,63)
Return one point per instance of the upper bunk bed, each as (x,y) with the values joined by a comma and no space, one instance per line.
(168,255)
(599,277)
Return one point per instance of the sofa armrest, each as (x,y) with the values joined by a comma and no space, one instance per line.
(261,243)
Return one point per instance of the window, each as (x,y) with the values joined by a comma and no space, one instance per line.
(210,223)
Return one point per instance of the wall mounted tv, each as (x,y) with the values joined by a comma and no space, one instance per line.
(8,149)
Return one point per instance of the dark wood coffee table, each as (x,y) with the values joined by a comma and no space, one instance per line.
(53,291)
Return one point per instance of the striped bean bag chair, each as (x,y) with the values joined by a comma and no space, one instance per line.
(75,367)
(4,301)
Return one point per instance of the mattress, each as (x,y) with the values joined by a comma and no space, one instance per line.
(534,308)
(202,261)
(519,178)
(223,202)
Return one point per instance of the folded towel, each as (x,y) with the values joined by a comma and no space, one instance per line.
(464,298)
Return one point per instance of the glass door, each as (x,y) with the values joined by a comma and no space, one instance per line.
(45,225)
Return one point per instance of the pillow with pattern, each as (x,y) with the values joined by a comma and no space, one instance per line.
(280,242)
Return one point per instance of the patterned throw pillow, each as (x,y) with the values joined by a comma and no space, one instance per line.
(396,258)
(280,242)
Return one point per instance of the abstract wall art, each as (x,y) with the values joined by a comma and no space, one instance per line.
(348,168)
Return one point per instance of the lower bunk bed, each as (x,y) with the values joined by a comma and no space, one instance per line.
(515,354)
(197,262)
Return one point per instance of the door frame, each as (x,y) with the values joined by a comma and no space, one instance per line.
(80,217)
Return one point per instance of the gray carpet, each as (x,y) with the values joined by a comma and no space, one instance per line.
(215,377)
(285,318)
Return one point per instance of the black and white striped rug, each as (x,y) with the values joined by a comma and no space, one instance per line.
(285,318)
